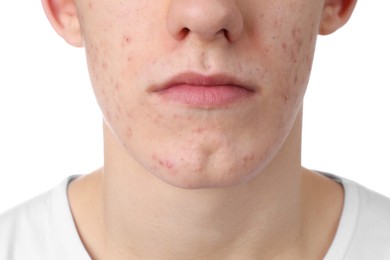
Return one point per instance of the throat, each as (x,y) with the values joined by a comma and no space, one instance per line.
(168,222)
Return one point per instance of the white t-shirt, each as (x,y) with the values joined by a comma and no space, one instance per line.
(43,228)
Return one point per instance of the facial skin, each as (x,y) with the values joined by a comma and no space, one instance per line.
(137,45)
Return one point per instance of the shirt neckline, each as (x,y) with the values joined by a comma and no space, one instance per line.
(66,224)
(348,220)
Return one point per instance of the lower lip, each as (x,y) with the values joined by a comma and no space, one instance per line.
(205,96)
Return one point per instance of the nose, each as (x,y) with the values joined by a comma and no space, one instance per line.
(205,19)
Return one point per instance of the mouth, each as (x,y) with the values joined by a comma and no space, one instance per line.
(197,90)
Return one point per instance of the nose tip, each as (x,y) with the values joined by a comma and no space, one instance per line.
(207,19)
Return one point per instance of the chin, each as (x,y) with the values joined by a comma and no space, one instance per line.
(224,167)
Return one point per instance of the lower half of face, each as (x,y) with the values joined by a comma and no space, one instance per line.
(195,111)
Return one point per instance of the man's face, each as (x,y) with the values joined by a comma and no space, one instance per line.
(239,71)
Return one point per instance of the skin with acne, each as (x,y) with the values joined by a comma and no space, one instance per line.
(183,181)
(275,60)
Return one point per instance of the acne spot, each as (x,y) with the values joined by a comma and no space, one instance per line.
(167,164)
(104,65)
(293,56)
(296,33)
(108,114)
(129,115)
(163,162)
(276,24)
(199,130)
(129,132)
(104,94)
(284,46)
(249,158)
(126,40)
(156,121)
(90,5)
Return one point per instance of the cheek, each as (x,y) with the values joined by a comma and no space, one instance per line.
(111,67)
(107,84)
(297,50)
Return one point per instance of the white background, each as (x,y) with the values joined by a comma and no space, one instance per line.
(50,125)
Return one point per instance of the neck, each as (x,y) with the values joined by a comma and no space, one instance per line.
(146,218)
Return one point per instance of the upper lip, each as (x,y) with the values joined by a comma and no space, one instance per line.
(196,79)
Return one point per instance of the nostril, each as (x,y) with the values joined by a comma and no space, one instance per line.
(225,33)
(183,33)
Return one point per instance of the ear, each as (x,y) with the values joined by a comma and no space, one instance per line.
(63,16)
(335,14)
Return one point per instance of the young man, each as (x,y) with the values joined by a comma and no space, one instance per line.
(202,104)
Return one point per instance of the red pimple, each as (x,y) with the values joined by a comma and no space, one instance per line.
(199,130)
(167,164)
